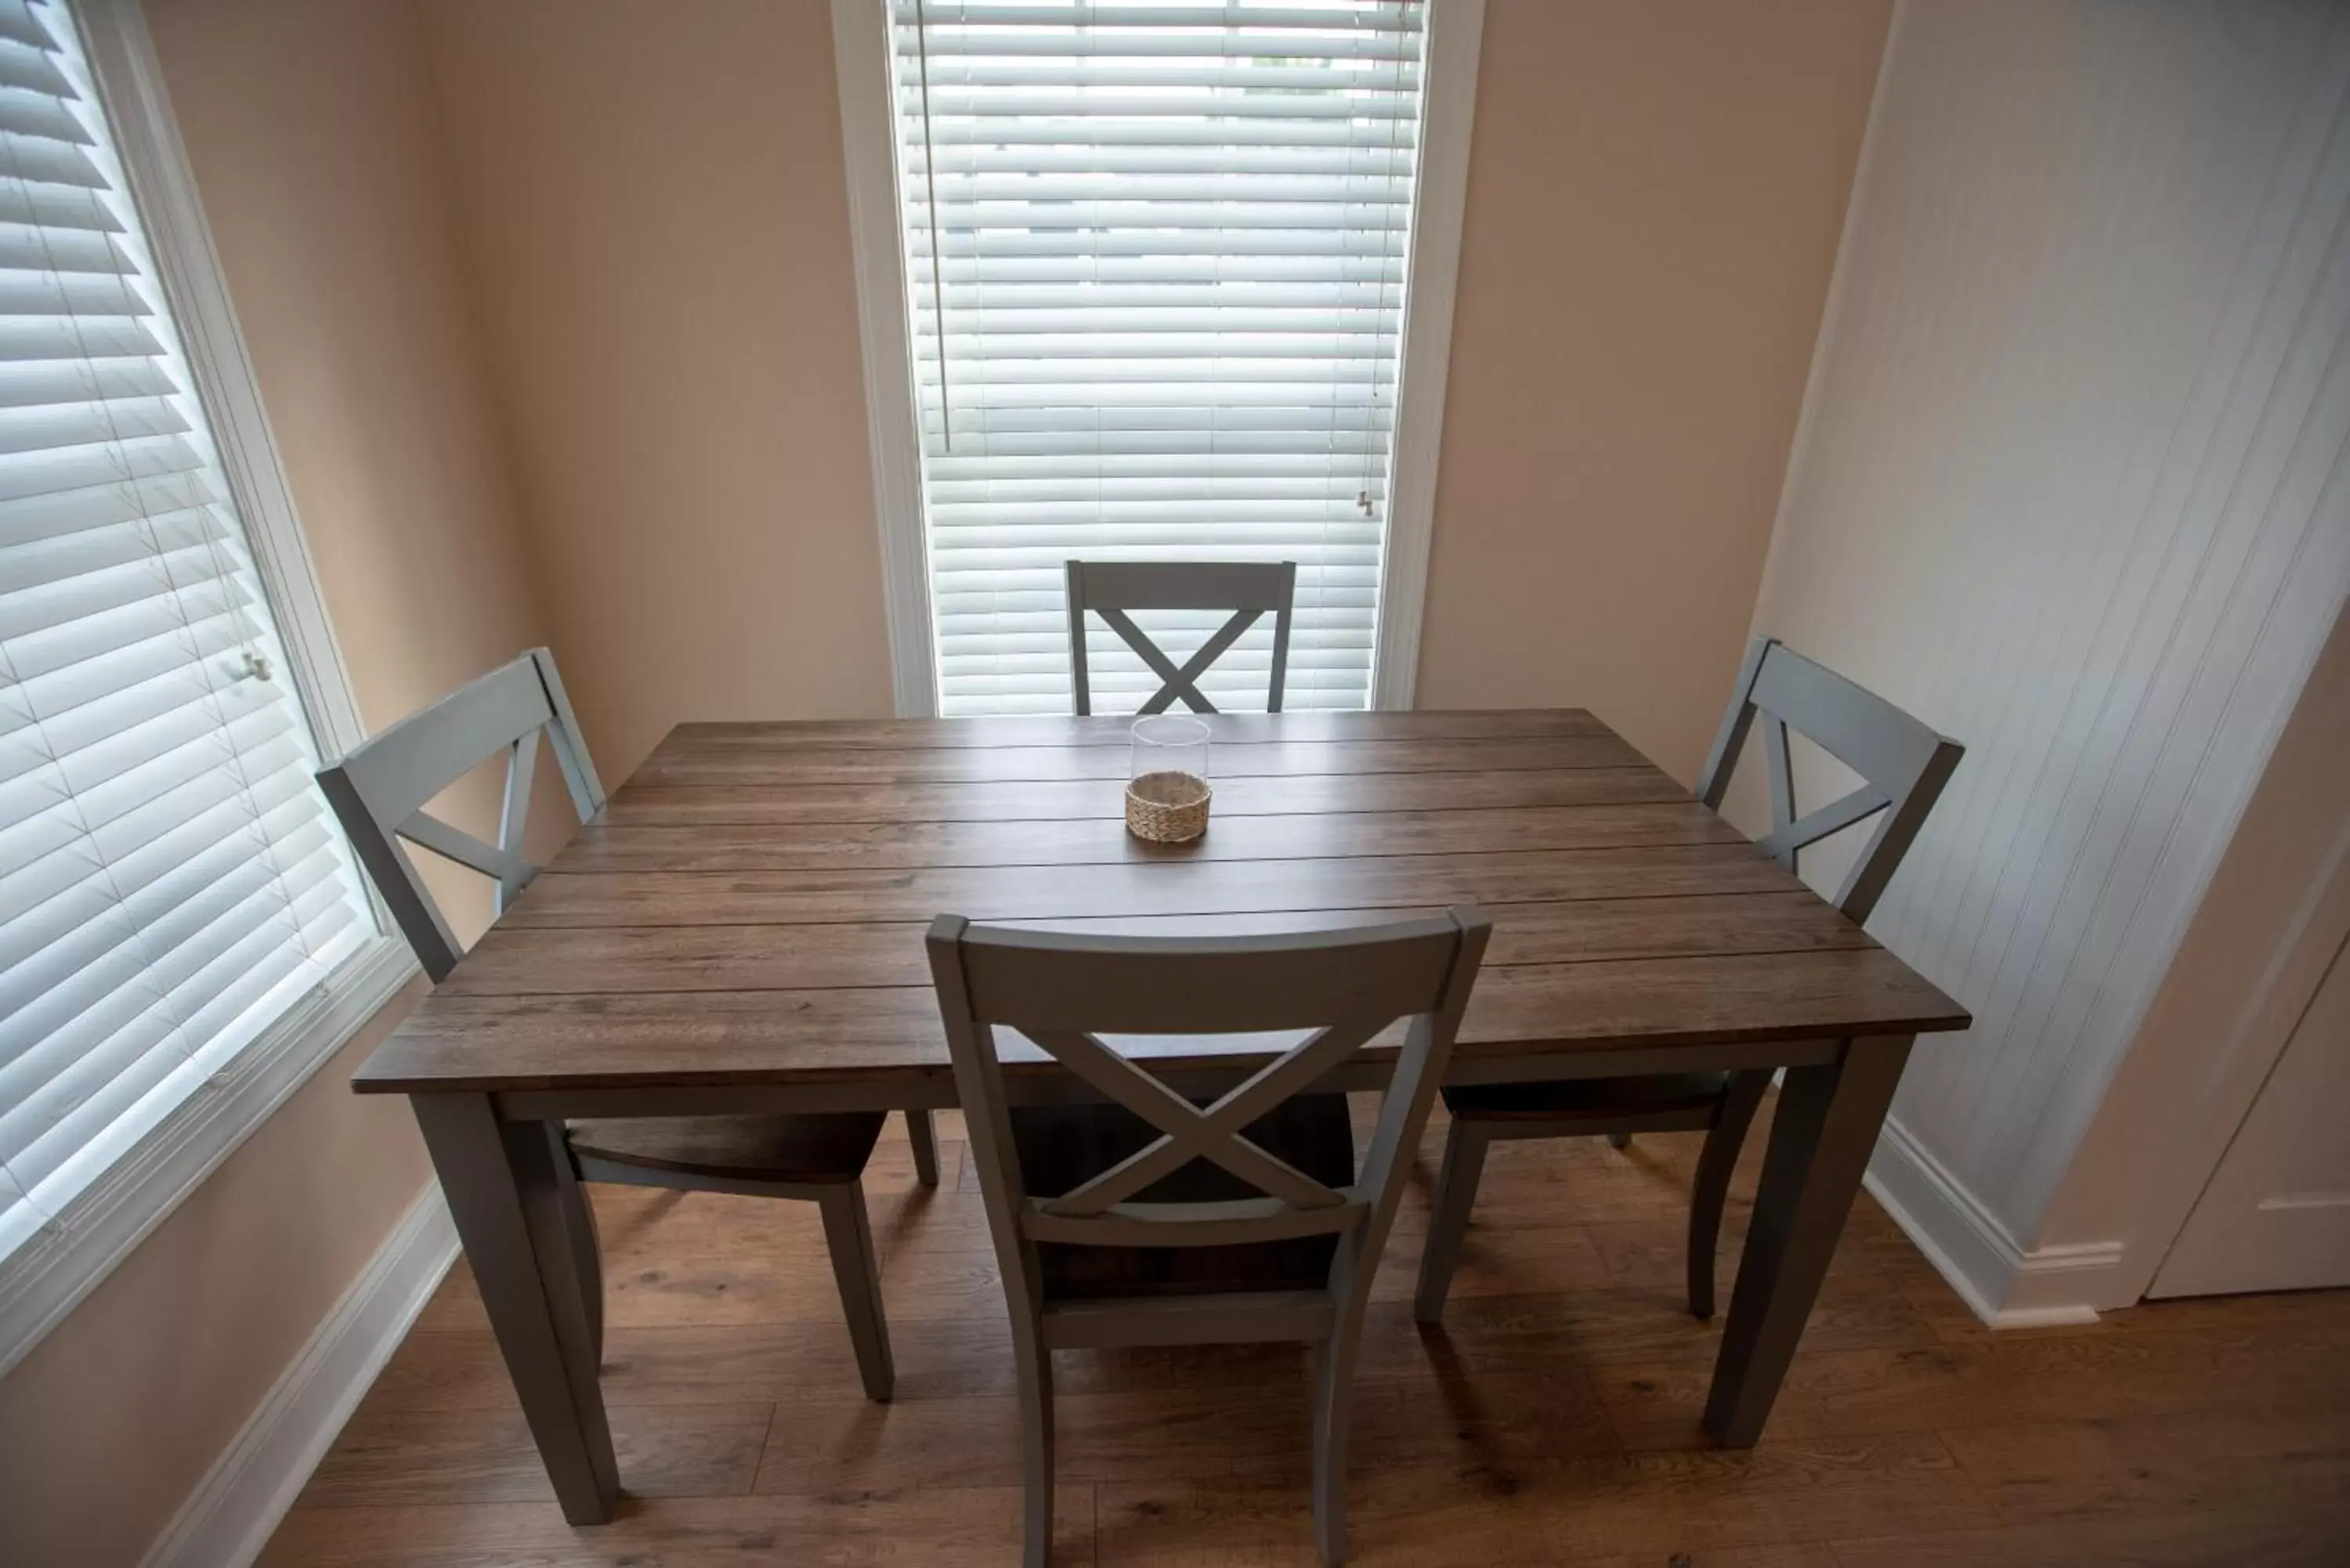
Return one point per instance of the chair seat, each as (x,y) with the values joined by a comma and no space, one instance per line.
(1061,1146)
(1594,1100)
(831,1148)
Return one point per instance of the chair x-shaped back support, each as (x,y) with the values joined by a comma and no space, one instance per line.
(1064,991)
(1248,589)
(1294,1204)
(379,790)
(1903,763)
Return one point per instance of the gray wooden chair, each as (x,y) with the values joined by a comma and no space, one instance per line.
(1903,765)
(1259,1211)
(378,791)
(1248,589)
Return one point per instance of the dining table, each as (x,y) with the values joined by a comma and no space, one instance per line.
(740,930)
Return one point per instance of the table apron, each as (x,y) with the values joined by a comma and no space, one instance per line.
(936,1091)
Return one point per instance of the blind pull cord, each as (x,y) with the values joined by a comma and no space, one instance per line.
(937,243)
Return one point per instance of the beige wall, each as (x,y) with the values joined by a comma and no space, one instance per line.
(658,225)
(1654,199)
(307,126)
(2069,491)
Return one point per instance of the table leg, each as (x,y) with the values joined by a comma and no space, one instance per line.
(1822,1134)
(510,1190)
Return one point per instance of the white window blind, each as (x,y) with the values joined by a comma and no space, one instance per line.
(1156,269)
(169,881)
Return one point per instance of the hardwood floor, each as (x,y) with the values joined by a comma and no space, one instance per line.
(1554,1420)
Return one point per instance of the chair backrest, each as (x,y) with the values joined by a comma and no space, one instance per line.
(1247,588)
(1064,991)
(379,789)
(1902,762)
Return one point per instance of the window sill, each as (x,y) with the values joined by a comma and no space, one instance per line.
(47,1275)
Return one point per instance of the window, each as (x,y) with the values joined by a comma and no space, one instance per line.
(171,887)
(1156,265)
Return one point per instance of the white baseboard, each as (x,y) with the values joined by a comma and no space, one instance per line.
(229,1517)
(2004,1285)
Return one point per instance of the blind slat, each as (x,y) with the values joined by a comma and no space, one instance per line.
(1156,298)
(170,881)
(33,70)
(950,17)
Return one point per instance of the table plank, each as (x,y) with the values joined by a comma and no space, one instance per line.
(872,1036)
(795,767)
(1162,887)
(1113,728)
(1104,840)
(640,803)
(622,960)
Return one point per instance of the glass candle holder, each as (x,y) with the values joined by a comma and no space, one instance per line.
(1167,789)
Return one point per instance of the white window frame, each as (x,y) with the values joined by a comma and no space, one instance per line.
(861,60)
(46,1277)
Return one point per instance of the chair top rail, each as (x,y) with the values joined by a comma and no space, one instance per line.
(400,768)
(1048,981)
(1184,585)
(1868,734)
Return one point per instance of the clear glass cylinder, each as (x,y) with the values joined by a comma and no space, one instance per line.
(1166,785)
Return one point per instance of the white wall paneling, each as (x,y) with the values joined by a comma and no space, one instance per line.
(2071,486)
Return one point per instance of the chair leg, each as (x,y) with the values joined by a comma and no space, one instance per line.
(925,1139)
(1714,1165)
(591,1273)
(587,1252)
(1334,1395)
(1619,1140)
(1034,1370)
(850,1238)
(1456,1194)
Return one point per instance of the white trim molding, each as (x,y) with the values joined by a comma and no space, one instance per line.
(79,1245)
(229,1517)
(130,83)
(49,1276)
(2001,1282)
(861,56)
(1456,32)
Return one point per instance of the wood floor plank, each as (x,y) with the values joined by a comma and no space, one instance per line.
(2017,1377)
(1696,1500)
(388,1458)
(824,1448)
(701,1364)
(1496,1334)
(2275,1458)
(1424,1517)
(918,1529)
(2315,1538)
(625,960)
(642,804)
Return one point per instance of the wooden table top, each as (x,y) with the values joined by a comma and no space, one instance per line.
(749,908)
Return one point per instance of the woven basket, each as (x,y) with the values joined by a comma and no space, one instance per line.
(1168,807)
